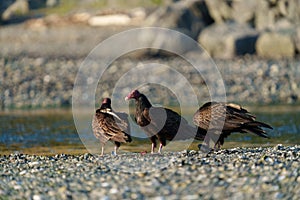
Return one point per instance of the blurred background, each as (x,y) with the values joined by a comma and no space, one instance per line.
(255,44)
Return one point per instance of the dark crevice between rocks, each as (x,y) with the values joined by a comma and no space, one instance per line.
(246,45)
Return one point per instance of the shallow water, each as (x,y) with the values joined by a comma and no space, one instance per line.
(53,129)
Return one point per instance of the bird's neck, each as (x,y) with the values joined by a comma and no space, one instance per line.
(105,108)
(142,103)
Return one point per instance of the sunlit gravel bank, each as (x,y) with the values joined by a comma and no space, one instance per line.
(239,173)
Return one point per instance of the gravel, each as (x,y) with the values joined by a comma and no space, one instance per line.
(42,82)
(238,173)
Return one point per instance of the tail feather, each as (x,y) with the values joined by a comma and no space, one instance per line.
(259,124)
(256,128)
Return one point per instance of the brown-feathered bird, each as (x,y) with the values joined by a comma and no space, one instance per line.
(160,123)
(233,117)
(109,125)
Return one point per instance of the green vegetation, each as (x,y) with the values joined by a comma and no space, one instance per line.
(71,149)
(66,7)
(63,8)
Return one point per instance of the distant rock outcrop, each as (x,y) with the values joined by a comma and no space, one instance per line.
(10,9)
(267,28)
(227,40)
(231,28)
(19,7)
(189,17)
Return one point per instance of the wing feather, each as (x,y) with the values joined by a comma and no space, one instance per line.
(233,117)
(108,125)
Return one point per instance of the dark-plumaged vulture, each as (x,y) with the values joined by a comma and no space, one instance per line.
(109,125)
(160,123)
(227,118)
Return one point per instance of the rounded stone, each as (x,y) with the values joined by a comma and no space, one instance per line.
(275,45)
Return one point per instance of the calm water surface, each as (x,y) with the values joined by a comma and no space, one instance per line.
(21,130)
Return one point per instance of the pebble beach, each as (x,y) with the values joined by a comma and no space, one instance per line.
(236,173)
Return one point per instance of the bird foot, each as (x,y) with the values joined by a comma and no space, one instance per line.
(217,146)
(204,148)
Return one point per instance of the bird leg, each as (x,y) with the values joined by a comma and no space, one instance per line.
(117,145)
(153,140)
(102,150)
(217,146)
(160,147)
(116,149)
(153,147)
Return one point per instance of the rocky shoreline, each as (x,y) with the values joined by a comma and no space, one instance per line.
(44,82)
(244,173)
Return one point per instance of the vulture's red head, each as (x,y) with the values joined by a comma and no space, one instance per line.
(134,94)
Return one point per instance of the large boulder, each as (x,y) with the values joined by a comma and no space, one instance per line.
(19,7)
(268,13)
(289,9)
(189,17)
(4,5)
(275,45)
(219,10)
(243,11)
(239,11)
(10,9)
(264,16)
(228,40)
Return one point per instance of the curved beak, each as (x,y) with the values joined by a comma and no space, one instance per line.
(126,98)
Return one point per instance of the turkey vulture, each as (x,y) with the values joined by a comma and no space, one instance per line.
(234,117)
(160,123)
(109,125)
